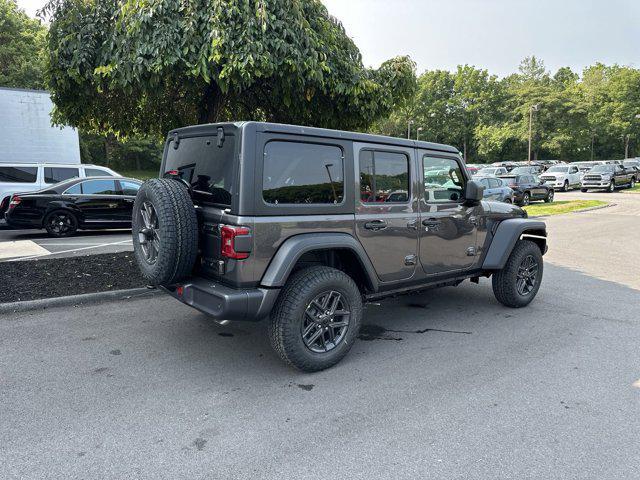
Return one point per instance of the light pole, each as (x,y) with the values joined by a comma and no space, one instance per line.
(418,133)
(409,123)
(533,108)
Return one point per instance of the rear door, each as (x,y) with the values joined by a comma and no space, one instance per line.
(99,201)
(128,189)
(386,211)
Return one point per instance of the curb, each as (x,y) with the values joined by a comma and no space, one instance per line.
(84,299)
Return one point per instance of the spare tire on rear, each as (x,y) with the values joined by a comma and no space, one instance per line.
(165,231)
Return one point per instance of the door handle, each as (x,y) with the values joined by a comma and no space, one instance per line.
(375,225)
(431,222)
(412,225)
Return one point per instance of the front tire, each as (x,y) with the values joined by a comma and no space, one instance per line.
(316,318)
(526,199)
(517,284)
(612,187)
(565,187)
(584,190)
(550,196)
(632,184)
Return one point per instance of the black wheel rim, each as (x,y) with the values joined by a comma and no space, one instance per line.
(527,275)
(60,223)
(326,321)
(148,234)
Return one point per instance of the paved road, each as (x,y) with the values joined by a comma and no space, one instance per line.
(602,243)
(36,243)
(149,388)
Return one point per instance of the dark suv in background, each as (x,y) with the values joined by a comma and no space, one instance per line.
(608,177)
(302,225)
(528,188)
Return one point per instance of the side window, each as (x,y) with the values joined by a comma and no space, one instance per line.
(484,182)
(75,190)
(297,173)
(18,174)
(129,187)
(443,180)
(494,183)
(59,174)
(574,170)
(96,172)
(99,187)
(384,177)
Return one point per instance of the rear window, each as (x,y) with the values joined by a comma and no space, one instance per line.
(208,168)
(18,174)
(96,172)
(307,173)
(59,174)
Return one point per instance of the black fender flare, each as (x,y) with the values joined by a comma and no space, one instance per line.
(294,247)
(507,234)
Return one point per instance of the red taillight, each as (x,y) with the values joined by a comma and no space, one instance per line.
(15,201)
(172,172)
(180,290)
(228,234)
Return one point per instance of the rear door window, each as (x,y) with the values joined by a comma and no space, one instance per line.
(59,174)
(384,177)
(494,183)
(302,173)
(99,187)
(129,187)
(18,174)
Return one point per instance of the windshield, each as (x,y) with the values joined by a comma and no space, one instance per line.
(207,167)
(558,169)
(602,169)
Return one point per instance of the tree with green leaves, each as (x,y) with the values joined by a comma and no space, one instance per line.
(146,67)
(21,48)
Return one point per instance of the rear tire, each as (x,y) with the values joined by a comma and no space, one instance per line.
(296,318)
(550,196)
(165,231)
(632,184)
(584,190)
(512,286)
(61,223)
(526,199)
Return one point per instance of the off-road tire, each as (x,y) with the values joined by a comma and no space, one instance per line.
(504,281)
(177,228)
(287,317)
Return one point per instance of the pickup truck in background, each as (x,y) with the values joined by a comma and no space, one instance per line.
(608,177)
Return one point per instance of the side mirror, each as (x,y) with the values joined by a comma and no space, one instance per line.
(473,193)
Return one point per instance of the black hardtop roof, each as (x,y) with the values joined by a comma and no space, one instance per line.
(211,128)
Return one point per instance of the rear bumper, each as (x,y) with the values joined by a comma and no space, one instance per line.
(13,221)
(225,303)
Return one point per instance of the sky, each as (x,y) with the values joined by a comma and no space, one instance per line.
(491,34)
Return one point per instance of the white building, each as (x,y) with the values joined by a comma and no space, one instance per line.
(26,133)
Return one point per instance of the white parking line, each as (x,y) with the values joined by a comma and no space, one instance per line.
(49,254)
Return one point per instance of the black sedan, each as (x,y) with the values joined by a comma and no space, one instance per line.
(528,188)
(80,203)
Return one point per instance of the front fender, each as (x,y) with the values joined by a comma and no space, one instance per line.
(507,234)
(293,248)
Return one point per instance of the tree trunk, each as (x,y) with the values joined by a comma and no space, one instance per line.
(626,146)
(211,104)
(464,143)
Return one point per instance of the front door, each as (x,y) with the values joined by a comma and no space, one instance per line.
(386,210)
(448,228)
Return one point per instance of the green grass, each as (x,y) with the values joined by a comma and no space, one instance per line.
(565,206)
(635,189)
(139,174)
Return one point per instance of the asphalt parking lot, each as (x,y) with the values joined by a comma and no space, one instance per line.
(35,243)
(149,388)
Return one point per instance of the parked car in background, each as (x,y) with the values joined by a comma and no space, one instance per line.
(528,188)
(80,203)
(527,169)
(29,177)
(472,168)
(634,166)
(508,165)
(608,177)
(563,177)
(492,171)
(495,189)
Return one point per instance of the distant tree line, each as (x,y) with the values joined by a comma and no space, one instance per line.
(124,73)
(575,117)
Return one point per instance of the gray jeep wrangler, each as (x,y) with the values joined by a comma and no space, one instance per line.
(303,225)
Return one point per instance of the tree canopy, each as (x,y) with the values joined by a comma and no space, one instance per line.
(148,66)
(21,48)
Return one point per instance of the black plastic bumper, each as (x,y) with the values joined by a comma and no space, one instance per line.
(225,303)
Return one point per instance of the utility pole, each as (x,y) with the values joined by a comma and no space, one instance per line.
(419,129)
(533,108)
